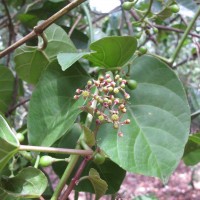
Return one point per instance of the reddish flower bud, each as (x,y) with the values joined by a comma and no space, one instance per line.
(127,96)
(107,75)
(120,134)
(76,97)
(116,101)
(78,91)
(127,121)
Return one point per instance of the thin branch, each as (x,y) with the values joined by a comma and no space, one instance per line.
(10,27)
(184,61)
(195,114)
(16,106)
(148,10)
(127,20)
(134,15)
(75,179)
(167,28)
(55,150)
(75,24)
(40,28)
(188,29)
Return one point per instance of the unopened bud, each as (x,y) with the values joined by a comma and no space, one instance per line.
(98,112)
(113,84)
(85,94)
(89,83)
(127,96)
(101,118)
(109,102)
(78,91)
(120,79)
(96,83)
(112,97)
(98,122)
(105,89)
(124,81)
(127,121)
(122,85)
(100,100)
(116,101)
(124,110)
(116,90)
(121,106)
(120,134)
(117,77)
(105,99)
(110,89)
(105,104)
(115,125)
(109,80)
(115,117)
(76,97)
(101,78)
(107,75)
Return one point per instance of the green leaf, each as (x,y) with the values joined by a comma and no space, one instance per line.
(52,110)
(89,136)
(100,186)
(153,143)
(66,60)
(8,143)
(192,150)
(31,61)
(109,171)
(110,52)
(6,88)
(28,183)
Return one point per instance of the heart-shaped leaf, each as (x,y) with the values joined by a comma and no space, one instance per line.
(28,183)
(153,143)
(52,110)
(31,61)
(114,51)
(6,88)
(8,143)
(100,186)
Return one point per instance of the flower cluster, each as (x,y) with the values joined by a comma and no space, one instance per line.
(110,105)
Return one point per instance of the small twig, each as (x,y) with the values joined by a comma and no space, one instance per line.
(75,24)
(55,150)
(184,61)
(40,28)
(167,28)
(148,10)
(75,179)
(195,114)
(10,27)
(134,15)
(127,20)
(16,106)
(184,36)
